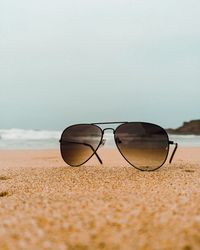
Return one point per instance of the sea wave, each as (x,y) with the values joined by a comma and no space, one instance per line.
(32,134)
(185,136)
(186,140)
(34,138)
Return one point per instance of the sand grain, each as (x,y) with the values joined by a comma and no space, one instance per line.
(46,205)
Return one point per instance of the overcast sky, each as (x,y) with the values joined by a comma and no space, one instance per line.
(70,61)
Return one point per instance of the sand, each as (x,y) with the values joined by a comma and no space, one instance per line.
(46,205)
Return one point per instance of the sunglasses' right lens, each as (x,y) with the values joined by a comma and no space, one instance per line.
(143,145)
(79,143)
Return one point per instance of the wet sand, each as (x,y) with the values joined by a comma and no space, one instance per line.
(46,205)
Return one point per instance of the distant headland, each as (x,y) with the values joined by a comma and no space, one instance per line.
(188,128)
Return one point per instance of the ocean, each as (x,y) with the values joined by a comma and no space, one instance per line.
(49,139)
(29,139)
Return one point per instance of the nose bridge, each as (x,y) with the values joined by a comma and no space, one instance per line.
(109,129)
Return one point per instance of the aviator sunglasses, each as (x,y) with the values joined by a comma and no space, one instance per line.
(143,145)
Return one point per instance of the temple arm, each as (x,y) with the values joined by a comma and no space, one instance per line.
(174,151)
(85,144)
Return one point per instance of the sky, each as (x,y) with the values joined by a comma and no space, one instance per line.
(64,62)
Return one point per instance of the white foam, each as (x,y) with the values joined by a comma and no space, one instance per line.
(32,138)
(186,140)
(22,134)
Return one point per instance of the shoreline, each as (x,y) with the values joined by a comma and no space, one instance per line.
(183,153)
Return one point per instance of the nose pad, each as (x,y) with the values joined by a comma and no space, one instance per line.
(103,142)
(118,141)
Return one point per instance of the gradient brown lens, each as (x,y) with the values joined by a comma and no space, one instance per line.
(143,145)
(79,143)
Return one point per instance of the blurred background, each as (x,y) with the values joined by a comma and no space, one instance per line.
(65,62)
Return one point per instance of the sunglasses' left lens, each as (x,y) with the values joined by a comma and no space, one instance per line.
(79,143)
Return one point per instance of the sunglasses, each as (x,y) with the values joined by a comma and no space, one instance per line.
(143,145)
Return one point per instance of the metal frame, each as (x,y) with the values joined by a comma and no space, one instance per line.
(115,139)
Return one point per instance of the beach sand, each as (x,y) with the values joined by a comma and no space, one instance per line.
(44,204)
